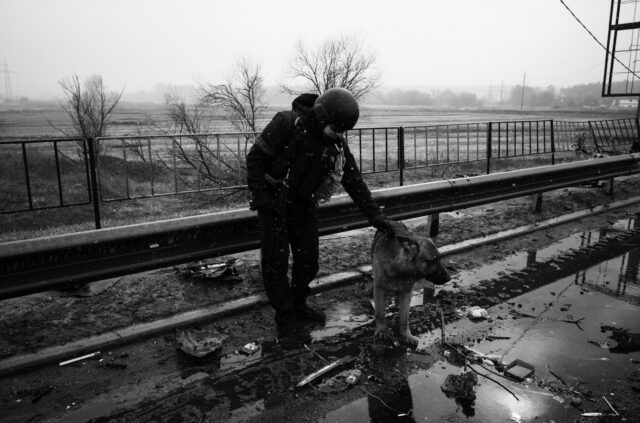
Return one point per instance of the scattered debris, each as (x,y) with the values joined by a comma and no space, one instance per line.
(600,414)
(320,372)
(496,337)
(460,386)
(478,355)
(199,344)
(354,376)
(519,370)
(250,348)
(473,313)
(340,382)
(477,313)
(84,357)
(226,270)
(625,341)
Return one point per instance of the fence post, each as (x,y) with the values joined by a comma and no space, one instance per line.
(401,154)
(93,171)
(553,145)
(489,147)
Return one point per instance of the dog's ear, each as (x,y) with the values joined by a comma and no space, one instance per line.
(431,250)
(410,245)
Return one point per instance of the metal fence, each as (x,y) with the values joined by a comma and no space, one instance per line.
(160,165)
(62,178)
(613,135)
(55,173)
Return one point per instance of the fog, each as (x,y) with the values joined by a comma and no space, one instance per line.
(140,45)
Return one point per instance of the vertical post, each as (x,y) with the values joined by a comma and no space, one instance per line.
(59,178)
(93,172)
(433,223)
(386,149)
(537,202)
(401,154)
(593,135)
(524,78)
(25,163)
(153,193)
(553,145)
(489,148)
(610,185)
(635,145)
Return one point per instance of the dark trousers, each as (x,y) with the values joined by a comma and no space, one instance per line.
(299,230)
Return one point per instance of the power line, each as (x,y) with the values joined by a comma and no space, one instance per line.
(597,41)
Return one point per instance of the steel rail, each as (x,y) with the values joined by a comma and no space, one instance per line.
(40,264)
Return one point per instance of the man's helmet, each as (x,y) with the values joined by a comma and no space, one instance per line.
(337,107)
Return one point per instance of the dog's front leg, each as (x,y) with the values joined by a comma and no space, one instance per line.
(404,301)
(382,331)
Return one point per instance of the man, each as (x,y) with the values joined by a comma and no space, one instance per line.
(296,163)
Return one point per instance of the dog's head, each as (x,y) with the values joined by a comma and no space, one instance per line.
(424,259)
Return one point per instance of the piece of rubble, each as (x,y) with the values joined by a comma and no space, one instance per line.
(461,386)
(320,372)
(84,357)
(226,270)
(198,343)
(519,370)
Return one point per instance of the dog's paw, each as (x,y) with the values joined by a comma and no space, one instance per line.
(384,334)
(410,340)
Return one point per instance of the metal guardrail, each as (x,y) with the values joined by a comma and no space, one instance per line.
(40,264)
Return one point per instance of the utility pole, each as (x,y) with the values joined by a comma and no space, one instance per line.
(8,95)
(501,90)
(522,95)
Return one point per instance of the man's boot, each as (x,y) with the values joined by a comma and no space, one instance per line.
(289,330)
(302,311)
(308,314)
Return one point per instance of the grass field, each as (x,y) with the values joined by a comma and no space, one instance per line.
(128,170)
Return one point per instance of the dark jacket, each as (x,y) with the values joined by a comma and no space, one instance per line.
(293,141)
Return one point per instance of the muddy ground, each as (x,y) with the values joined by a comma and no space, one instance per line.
(54,318)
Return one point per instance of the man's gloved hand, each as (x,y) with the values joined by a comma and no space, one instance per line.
(259,200)
(384,225)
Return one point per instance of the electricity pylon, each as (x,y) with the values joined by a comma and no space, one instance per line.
(8,94)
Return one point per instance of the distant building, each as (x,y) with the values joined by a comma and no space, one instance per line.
(625,103)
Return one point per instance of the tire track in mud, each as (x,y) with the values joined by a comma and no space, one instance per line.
(267,383)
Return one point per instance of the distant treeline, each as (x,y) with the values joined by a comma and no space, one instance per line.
(576,96)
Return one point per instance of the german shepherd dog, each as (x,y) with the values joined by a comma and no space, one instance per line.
(398,263)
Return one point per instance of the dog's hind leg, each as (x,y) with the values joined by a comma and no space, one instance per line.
(382,330)
(404,300)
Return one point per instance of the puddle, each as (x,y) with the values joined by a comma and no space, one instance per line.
(545,342)
(340,319)
(582,356)
(423,396)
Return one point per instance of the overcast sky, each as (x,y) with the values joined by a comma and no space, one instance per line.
(136,44)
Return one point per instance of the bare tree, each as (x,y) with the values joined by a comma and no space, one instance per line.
(88,105)
(338,62)
(198,157)
(241,96)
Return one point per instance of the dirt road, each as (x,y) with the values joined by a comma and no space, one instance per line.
(152,381)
